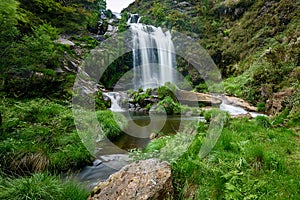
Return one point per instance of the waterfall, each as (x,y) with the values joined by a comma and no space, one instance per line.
(154,61)
(116,101)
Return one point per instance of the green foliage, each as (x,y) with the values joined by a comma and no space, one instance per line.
(263,121)
(211,114)
(70,156)
(249,161)
(202,87)
(9,32)
(38,135)
(168,90)
(261,106)
(29,55)
(100,103)
(37,48)
(111,123)
(86,41)
(158,11)
(41,186)
(70,17)
(30,68)
(122,26)
(140,97)
(8,22)
(170,106)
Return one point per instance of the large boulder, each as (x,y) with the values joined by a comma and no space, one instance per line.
(141,180)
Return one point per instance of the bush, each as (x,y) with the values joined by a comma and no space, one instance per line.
(170,106)
(261,106)
(167,90)
(263,121)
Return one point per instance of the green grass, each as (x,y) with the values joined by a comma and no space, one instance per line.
(41,186)
(39,134)
(111,123)
(251,160)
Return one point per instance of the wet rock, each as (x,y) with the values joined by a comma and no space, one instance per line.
(151,100)
(72,65)
(97,162)
(247,115)
(141,180)
(153,136)
(183,4)
(64,42)
(59,71)
(239,102)
(110,28)
(111,31)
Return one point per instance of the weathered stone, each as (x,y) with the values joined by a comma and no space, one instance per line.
(239,102)
(193,98)
(274,105)
(64,42)
(247,115)
(141,180)
(153,136)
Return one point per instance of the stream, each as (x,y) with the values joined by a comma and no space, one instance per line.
(111,158)
(113,155)
(153,61)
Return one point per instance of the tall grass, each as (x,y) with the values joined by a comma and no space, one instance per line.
(40,186)
(39,135)
(251,160)
(111,123)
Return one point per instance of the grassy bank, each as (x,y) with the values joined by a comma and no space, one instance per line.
(38,140)
(41,186)
(253,159)
(39,135)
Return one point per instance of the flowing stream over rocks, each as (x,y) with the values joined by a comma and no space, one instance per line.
(115,98)
(111,159)
(154,63)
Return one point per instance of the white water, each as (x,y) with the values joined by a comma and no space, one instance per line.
(116,101)
(154,60)
(236,110)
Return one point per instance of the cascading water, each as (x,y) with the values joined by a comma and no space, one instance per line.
(115,99)
(154,61)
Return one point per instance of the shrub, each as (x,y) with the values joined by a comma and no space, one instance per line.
(261,106)
(167,90)
(170,106)
(263,121)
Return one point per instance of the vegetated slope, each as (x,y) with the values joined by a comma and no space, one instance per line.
(30,58)
(255,44)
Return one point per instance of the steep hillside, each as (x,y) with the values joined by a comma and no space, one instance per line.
(31,59)
(255,44)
